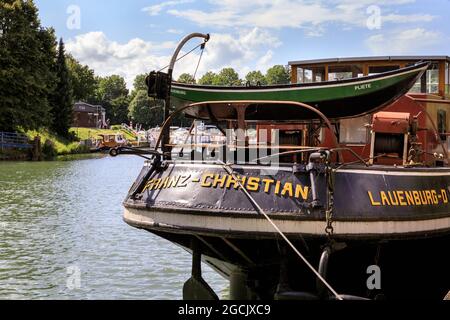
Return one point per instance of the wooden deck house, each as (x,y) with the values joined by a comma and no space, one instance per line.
(435,81)
(428,101)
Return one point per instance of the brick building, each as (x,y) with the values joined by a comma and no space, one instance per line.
(88,116)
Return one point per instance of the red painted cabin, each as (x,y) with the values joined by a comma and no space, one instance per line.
(379,138)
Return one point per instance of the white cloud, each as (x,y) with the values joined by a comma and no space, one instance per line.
(109,57)
(248,50)
(156,9)
(410,41)
(412,18)
(315,31)
(264,62)
(311,16)
(174,31)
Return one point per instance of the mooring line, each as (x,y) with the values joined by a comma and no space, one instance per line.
(230,171)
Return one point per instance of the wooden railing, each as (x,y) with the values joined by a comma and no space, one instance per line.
(11,140)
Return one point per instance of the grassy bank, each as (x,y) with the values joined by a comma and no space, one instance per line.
(88,133)
(63,146)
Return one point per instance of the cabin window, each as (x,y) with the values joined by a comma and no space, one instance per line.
(344,72)
(290,137)
(442,124)
(307,76)
(319,74)
(433,79)
(354,130)
(300,75)
(447,78)
(304,75)
(310,74)
(429,82)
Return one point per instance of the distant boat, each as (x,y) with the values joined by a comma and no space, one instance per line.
(336,99)
(110,141)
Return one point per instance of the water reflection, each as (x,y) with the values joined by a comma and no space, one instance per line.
(57,217)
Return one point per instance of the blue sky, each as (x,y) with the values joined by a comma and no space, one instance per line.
(137,36)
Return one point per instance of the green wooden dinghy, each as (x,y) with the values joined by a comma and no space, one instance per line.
(336,99)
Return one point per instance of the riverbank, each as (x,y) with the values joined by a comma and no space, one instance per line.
(50,146)
(54,146)
(13,155)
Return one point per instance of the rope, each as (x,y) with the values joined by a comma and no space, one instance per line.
(230,171)
(184,55)
(199,59)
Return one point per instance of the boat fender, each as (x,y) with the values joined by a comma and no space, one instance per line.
(314,167)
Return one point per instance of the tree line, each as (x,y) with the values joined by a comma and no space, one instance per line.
(33,74)
(39,81)
(149,112)
(229,77)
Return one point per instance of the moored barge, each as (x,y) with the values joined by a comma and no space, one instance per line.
(321,198)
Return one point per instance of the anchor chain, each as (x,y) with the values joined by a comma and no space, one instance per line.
(329,230)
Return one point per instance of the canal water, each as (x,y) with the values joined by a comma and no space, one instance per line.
(62,236)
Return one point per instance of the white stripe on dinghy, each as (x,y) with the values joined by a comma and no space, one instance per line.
(181,221)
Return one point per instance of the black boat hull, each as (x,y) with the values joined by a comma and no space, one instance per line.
(409,269)
(395,218)
(372,203)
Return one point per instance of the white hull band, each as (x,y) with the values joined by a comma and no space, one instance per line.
(184,222)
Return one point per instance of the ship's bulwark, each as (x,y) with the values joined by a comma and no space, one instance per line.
(397,219)
(367,203)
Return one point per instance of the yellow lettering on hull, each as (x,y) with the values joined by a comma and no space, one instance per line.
(407,197)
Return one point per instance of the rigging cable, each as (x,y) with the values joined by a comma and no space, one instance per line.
(230,171)
(199,60)
(184,55)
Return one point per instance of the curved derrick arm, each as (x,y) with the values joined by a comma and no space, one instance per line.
(165,132)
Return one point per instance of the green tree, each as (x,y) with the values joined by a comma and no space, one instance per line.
(208,78)
(62,100)
(111,87)
(146,111)
(227,77)
(27,58)
(84,82)
(119,109)
(255,78)
(278,75)
(112,94)
(186,78)
(138,84)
